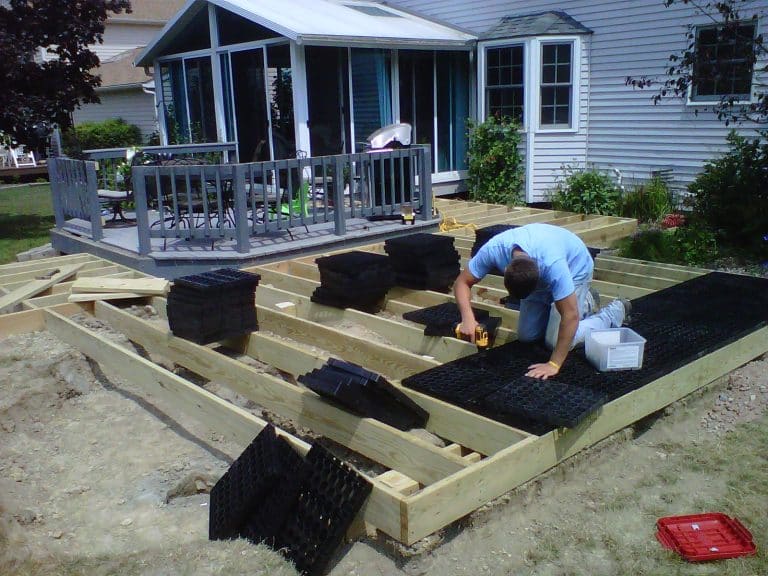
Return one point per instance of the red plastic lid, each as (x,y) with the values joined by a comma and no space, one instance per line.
(700,537)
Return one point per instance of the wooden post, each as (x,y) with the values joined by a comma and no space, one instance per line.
(339,219)
(425,183)
(92,194)
(242,232)
(54,175)
(138,176)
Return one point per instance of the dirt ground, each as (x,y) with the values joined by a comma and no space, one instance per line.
(93,480)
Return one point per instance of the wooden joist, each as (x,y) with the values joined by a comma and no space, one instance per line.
(425,486)
(46,279)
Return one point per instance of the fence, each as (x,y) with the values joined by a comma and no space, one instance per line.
(187,198)
(74,194)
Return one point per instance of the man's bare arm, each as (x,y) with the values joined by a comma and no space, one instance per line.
(569,321)
(462,291)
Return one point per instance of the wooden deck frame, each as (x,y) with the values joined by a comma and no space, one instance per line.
(426,487)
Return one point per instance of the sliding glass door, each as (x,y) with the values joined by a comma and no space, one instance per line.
(188,104)
(434,99)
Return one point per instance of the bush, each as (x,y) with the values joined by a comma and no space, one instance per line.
(695,244)
(112,133)
(496,169)
(586,191)
(732,195)
(648,201)
(692,245)
(650,244)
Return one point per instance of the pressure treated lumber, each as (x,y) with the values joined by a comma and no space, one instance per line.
(147,286)
(178,397)
(385,444)
(445,420)
(386,360)
(442,349)
(34,287)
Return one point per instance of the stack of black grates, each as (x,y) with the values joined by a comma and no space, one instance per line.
(353,280)
(213,305)
(301,507)
(424,261)
(366,393)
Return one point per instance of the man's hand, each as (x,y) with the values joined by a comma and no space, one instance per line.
(462,290)
(542,371)
(468,330)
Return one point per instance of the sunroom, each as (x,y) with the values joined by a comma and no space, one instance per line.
(307,78)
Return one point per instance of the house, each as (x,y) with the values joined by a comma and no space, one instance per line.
(282,76)
(126,91)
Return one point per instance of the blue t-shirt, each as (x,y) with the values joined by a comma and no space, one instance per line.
(562,257)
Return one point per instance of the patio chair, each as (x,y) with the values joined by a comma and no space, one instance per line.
(21,158)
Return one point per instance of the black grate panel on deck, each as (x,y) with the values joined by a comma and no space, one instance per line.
(546,401)
(445,314)
(680,323)
(330,495)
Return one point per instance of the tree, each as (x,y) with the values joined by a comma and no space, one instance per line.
(731,53)
(38,94)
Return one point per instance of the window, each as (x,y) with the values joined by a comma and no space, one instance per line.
(723,62)
(504,82)
(556,85)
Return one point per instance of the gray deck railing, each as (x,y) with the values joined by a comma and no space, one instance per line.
(111,159)
(73,192)
(178,199)
(237,201)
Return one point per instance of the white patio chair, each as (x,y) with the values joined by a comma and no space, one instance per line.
(21,158)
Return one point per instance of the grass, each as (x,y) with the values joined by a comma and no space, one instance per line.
(26,216)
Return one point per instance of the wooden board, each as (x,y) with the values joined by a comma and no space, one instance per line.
(35,287)
(147,286)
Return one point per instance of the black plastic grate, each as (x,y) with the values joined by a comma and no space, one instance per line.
(250,478)
(352,262)
(329,497)
(213,305)
(547,401)
(419,244)
(677,322)
(277,504)
(365,393)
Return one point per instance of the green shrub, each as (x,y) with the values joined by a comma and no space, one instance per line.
(112,133)
(691,245)
(648,201)
(695,244)
(732,195)
(650,244)
(587,191)
(496,169)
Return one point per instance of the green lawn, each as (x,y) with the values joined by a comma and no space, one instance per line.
(26,216)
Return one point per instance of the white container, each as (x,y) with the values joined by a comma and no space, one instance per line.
(615,349)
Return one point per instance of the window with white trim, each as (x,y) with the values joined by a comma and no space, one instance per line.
(723,66)
(504,81)
(556,95)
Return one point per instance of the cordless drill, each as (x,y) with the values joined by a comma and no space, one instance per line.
(484,333)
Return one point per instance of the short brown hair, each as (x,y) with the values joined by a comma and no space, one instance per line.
(521,277)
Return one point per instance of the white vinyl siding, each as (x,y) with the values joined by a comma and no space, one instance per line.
(619,126)
(132,105)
